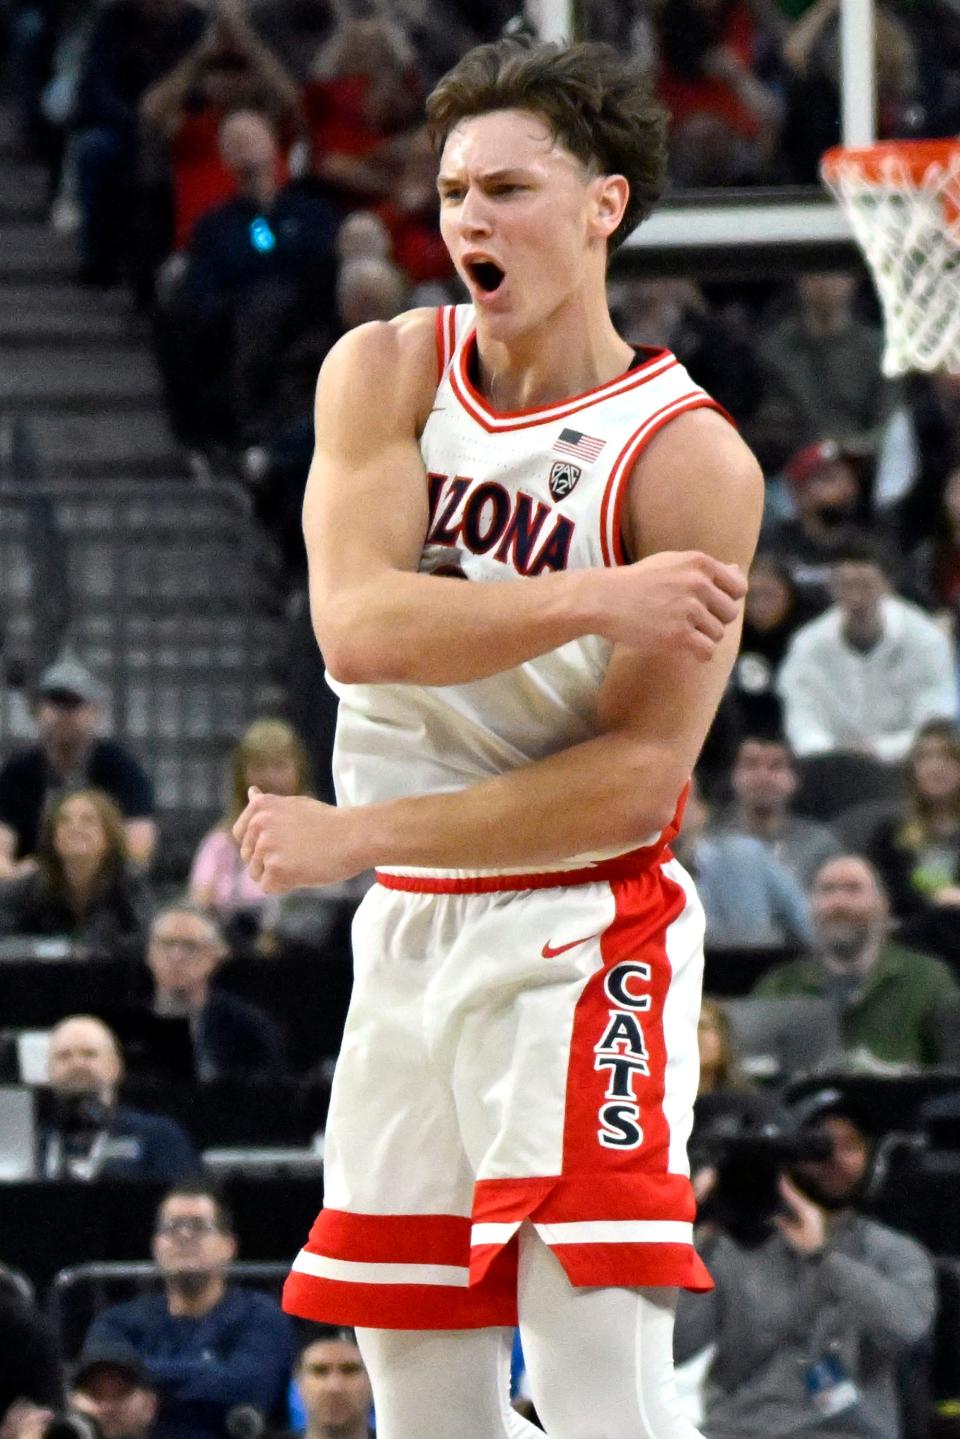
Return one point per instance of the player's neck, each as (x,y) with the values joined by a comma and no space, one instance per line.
(569,354)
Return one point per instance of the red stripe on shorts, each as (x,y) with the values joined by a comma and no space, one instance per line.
(673,1266)
(614,1181)
(390,1238)
(645,906)
(419,1239)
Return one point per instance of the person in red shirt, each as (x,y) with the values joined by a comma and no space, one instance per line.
(228,69)
(725,121)
(363,92)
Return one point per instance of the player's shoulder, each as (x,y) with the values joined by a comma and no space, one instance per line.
(696,484)
(699,442)
(393,358)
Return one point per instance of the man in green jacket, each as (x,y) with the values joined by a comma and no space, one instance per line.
(889,1000)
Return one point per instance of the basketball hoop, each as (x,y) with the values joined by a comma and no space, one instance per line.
(903,201)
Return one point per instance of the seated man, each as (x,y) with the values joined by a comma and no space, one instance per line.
(870,671)
(764,781)
(888,998)
(333,1385)
(88,1134)
(750,899)
(206,1345)
(229,68)
(815,1307)
(230,1037)
(70,755)
(259,274)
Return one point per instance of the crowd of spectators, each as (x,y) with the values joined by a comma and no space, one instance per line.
(259,175)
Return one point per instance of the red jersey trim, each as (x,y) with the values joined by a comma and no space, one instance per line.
(446,337)
(441,337)
(614,496)
(494,421)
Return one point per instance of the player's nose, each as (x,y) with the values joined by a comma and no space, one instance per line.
(473,217)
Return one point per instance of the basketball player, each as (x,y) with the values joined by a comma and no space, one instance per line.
(526,544)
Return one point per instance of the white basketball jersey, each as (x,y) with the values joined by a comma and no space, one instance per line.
(512,496)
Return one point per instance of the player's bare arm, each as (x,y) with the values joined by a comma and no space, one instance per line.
(365,519)
(697,486)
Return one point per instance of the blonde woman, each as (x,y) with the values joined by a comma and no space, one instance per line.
(917,849)
(271,756)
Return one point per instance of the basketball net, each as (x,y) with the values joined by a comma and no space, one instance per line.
(903,201)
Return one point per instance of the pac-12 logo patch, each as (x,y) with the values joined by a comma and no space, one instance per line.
(563,478)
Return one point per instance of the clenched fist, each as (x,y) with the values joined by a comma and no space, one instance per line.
(676,599)
(288,841)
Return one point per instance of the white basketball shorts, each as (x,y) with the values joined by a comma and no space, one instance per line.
(515,1054)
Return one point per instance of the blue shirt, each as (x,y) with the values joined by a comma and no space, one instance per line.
(239,1353)
(748,896)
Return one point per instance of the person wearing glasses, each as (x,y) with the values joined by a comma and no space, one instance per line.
(231,1038)
(208,1346)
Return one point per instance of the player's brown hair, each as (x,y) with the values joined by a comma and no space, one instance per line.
(598,103)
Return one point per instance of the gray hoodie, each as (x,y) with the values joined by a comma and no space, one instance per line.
(867,1300)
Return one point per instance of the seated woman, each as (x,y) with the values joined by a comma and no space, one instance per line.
(82,889)
(270,756)
(917,849)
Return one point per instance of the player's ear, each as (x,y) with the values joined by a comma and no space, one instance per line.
(610,196)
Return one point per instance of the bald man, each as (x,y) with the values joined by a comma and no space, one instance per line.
(90,1135)
(889,999)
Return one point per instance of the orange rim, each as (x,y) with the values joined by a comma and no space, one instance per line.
(915,159)
(915,156)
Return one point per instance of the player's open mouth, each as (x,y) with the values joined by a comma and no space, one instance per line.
(486,275)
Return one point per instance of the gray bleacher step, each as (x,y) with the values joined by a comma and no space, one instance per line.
(62,297)
(111,377)
(33,252)
(67,329)
(24,193)
(134,445)
(9,138)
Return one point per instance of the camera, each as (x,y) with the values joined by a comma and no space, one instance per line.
(71,1424)
(749,1162)
(77,1114)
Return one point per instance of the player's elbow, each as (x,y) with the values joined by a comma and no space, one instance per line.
(657,814)
(352,658)
(654,784)
(346,662)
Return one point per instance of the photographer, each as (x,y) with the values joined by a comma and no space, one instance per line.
(85,1132)
(816,1307)
(111,1386)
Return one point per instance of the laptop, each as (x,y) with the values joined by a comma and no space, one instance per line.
(784,1038)
(18,1133)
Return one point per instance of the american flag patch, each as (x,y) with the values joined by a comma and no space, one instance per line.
(581,447)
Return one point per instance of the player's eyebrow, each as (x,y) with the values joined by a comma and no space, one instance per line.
(485,177)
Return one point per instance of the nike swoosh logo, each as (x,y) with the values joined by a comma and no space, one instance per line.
(551,951)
